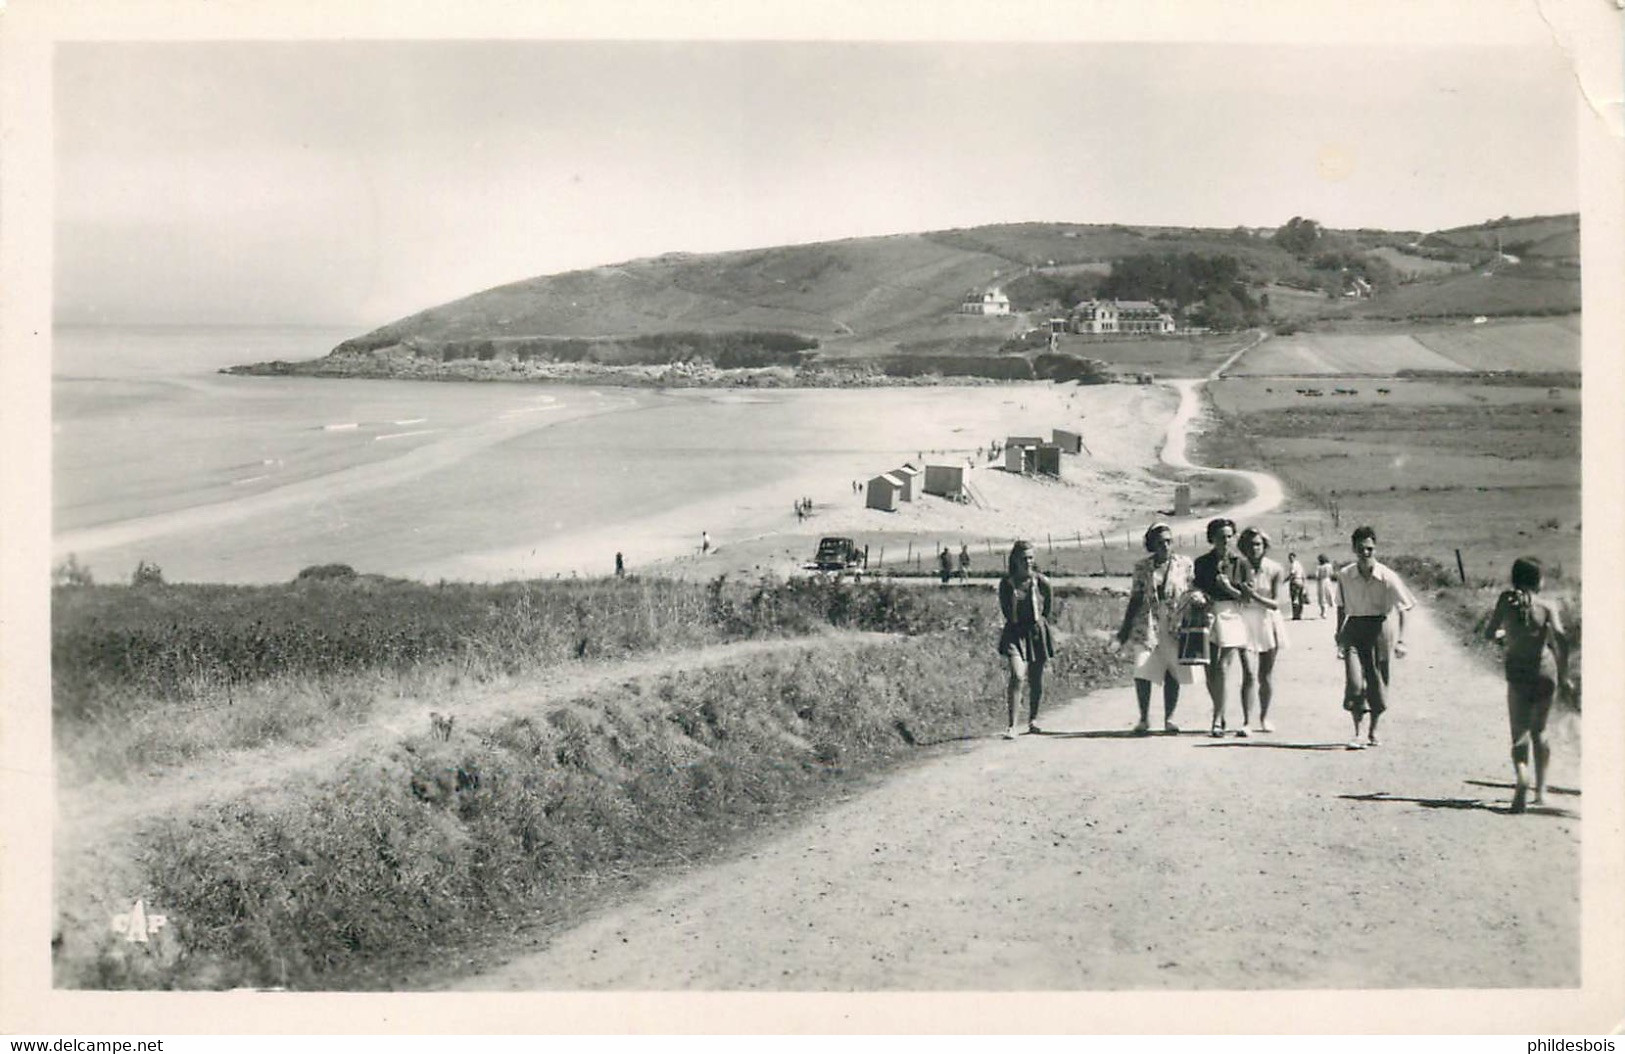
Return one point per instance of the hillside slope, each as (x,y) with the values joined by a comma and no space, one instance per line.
(901,292)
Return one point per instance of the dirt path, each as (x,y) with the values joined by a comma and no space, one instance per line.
(1088,859)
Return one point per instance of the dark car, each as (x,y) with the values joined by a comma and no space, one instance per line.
(840,556)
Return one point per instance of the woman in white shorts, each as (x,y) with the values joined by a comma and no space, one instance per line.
(1265,626)
(1219,577)
(1162,582)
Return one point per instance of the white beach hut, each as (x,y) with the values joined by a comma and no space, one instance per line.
(911,481)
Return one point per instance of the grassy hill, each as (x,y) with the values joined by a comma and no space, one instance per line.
(878,298)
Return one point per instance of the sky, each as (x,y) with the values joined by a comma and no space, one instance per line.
(354,182)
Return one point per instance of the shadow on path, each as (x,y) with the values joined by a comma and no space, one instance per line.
(1460,803)
(1255,744)
(1550,789)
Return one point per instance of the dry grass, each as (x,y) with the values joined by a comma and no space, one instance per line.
(391,864)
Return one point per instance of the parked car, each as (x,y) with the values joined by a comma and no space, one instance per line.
(840,556)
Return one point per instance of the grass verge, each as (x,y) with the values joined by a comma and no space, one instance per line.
(396,864)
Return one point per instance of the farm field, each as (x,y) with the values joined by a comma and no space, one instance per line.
(1549,345)
(1436,465)
(1407,264)
(1535,345)
(1341,353)
(1166,357)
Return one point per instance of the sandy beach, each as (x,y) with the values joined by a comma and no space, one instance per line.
(755,531)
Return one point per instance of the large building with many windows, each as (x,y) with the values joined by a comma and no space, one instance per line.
(1120,316)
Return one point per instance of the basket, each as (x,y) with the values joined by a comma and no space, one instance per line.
(1193,634)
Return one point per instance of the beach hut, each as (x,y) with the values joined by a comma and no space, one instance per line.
(946,481)
(911,481)
(882,492)
(1071,442)
(1047,459)
(1017,458)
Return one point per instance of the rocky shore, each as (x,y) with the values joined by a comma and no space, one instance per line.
(670,375)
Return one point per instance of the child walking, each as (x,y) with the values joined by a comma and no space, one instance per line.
(1536,648)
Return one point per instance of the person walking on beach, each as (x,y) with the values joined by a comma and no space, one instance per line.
(1536,657)
(964,562)
(1368,639)
(1026,642)
(1296,585)
(1265,627)
(945,565)
(705,542)
(1324,583)
(1218,577)
(1162,583)
(620,566)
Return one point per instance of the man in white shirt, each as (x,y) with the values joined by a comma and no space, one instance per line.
(1371,605)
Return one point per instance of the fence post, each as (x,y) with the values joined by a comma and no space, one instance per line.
(908,555)
(1461,569)
(881,560)
(1051,542)
(1102,544)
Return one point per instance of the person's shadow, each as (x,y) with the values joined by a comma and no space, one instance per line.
(1461,803)
(1269,744)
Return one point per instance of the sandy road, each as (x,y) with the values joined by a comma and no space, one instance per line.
(1088,859)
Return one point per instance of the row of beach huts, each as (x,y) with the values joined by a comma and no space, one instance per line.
(1028,455)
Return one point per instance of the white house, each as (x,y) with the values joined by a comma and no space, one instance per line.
(989,302)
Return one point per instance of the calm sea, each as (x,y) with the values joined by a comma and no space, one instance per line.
(157,456)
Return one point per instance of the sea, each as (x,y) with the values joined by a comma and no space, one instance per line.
(158,456)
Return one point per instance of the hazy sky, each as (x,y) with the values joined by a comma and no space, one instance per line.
(355,182)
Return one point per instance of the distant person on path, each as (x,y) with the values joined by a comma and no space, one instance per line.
(1536,656)
(705,542)
(1162,584)
(1265,627)
(1368,639)
(945,565)
(1026,643)
(1296,585)
(1219,575)
(964,562)
(1324,584)
(620,566)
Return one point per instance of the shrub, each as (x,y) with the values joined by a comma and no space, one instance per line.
(325,573)
(71,573)
(147,574)
(1422,572)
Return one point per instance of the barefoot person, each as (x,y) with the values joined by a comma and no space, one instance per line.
(1265,627)
(1218,576)
(1162,582)
(1026,643)
(1537,662)
(1371,605)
